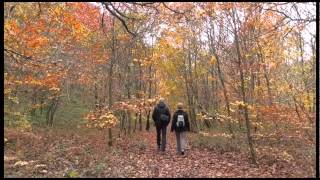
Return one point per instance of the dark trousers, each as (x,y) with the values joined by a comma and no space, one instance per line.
(161,137)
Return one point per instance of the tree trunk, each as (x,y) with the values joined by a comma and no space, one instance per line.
(113,58)
(148,121)
(149,96)
(129,121)
(265,73)
(96,95)
(224,94)
(188,82)
(140,123)
(220,75)
(140,95)
(305,80)
(128,113)
(34,102)
(135,122)
(248,125)
(51,111)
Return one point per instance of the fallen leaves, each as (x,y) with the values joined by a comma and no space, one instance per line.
(20,163)
(81,155)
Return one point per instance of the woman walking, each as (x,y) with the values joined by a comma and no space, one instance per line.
(180,124)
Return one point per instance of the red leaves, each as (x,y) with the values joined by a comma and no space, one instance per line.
(37,42)
(12,27)
(88,14)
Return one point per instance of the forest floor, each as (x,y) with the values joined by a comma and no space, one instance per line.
(85,153)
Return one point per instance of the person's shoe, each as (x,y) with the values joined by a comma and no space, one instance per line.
(182,153)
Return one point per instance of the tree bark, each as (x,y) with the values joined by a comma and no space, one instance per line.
(149,96)
(220,75)
(248,125)
(113,58)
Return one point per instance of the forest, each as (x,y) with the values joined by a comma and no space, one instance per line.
(81,81)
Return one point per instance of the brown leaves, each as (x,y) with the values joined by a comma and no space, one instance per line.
(87,153)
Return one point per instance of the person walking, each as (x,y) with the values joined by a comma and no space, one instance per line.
(161,117)
(180,124)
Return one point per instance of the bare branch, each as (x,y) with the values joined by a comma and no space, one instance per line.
(102,20)
(164,4)
(288,17)
(39,5)
(142,4)
(120,19)
(121,14)
(16,53)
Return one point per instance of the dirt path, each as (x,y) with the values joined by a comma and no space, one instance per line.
(148,162)
(65,154)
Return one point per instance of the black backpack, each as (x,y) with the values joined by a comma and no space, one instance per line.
(163,117)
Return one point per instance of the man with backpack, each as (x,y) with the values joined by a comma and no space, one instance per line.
(180,124)
(161,117)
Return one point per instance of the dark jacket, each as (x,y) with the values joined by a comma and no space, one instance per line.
(175,118)
(161,107)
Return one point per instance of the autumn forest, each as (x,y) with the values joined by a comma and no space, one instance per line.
(81,81)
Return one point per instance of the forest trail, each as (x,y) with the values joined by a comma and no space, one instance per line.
(79,75)
(147,161)
(78,153)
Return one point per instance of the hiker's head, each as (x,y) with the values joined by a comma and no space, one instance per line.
(180,105)
(161,103)
(161,100)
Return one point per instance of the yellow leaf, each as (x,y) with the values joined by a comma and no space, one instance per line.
(213,60)
(211,78)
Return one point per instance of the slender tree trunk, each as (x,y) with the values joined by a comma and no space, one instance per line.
(213,93)
(51,111)
(148,121)
(189,80)
(314,70)
(265,73)
(140,123)
(305,80)
(220,75)
(96,95)
(128,85)
(224,94)
(296,108)
(34,102)
(41,108)
(124,122)
(140,95)
(248,125)
(48,114)
(135,122)
(149,96)
(113,58)
(206,93)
